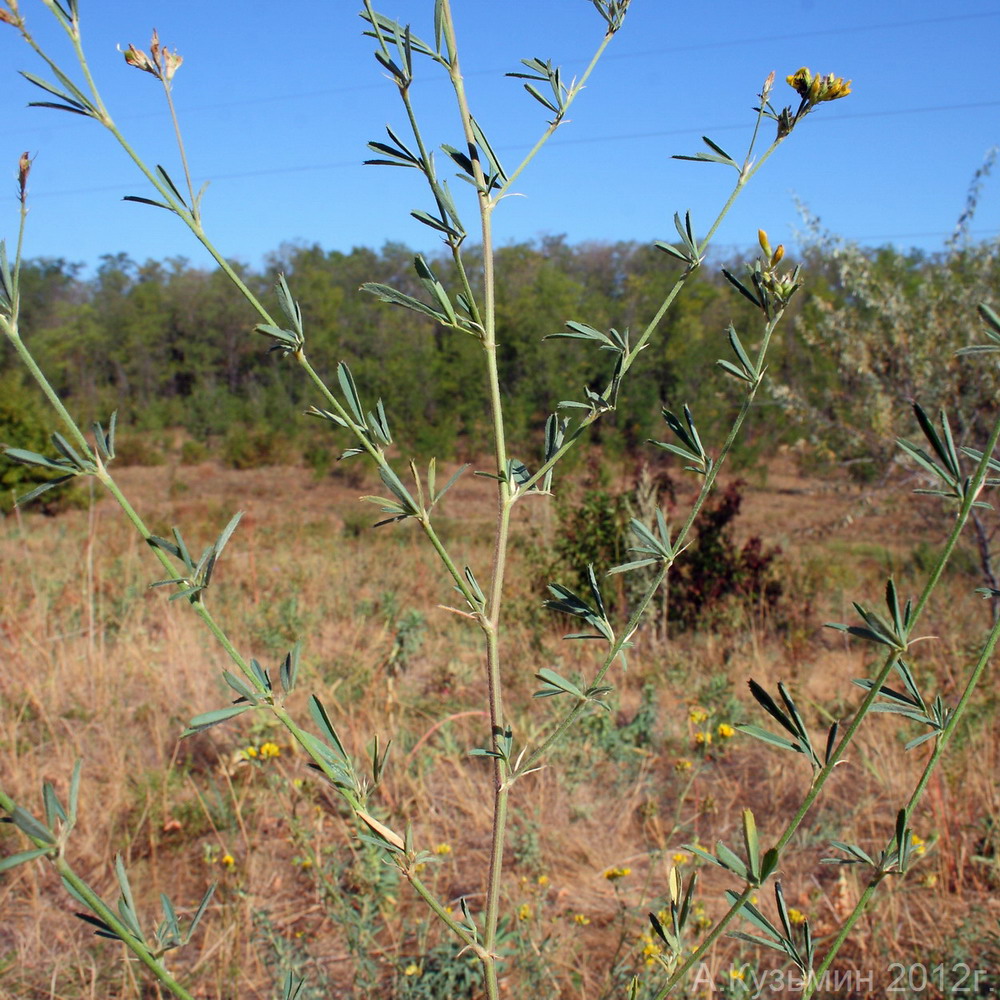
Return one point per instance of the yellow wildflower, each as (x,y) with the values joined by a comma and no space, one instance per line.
(249,753)
(679,858)
(917,845)
(614,874)
(412,969)
(697,715)
(270,750)
(738,973)
(442,849)
(581,918)
(725,731)
(682,764)
(543,880)
(815,88)
(702,738)
(228,860)
(524,911)
(796,916)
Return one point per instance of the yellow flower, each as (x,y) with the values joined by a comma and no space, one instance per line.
(796,916)
(412,969)
(816,89)
(679,858)
(697,715)
(248,753)
(917,845)
(543,880)
(682,764)
(725,731)
(581,918)
(702,738)
(524,911)
(270,750)
(614,874)
(228,860)
(443,849)
(737,974)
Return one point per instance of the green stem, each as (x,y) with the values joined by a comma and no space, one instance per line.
(943,739)
(495,594)
(554,125)
(105,913)
(633,623)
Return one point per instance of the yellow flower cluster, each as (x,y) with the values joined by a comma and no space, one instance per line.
(614,874)
(796,916)
(266,751)
(815,88)
(725,731)
(524,911)
(917,845)
(443,849)
(581,918)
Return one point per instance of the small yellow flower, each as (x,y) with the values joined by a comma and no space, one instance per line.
(679,858)
(725,731)
(702,738)
(918,845)
(412,969)
(581,918)
(270,750)
(740,974)
(442,849)
(614,874)
(524,911)
(543,880)
(682,764)
(697,715)
(228,860)
(303,863)
(796,916)
(249,753)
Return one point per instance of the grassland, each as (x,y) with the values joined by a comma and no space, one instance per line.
(98,666)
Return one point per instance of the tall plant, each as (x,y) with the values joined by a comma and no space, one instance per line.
(465,306)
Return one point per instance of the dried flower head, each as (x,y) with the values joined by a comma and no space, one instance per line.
(23,169)
(161,62)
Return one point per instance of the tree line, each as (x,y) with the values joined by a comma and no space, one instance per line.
(170,345)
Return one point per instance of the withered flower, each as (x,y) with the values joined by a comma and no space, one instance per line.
(23,169)
(162,63)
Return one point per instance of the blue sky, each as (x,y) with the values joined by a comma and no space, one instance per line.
(277,102)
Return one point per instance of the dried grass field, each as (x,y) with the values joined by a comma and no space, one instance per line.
(100,667)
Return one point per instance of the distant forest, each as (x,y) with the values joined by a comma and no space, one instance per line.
(172,346)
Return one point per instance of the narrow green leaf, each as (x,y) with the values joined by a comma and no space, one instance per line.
(208,719)
(22,857)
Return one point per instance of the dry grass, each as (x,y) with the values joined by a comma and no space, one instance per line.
(100,667)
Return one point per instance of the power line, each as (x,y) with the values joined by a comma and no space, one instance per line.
(557,141)
(610,56)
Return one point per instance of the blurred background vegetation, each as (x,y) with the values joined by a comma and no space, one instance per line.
(170,346)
